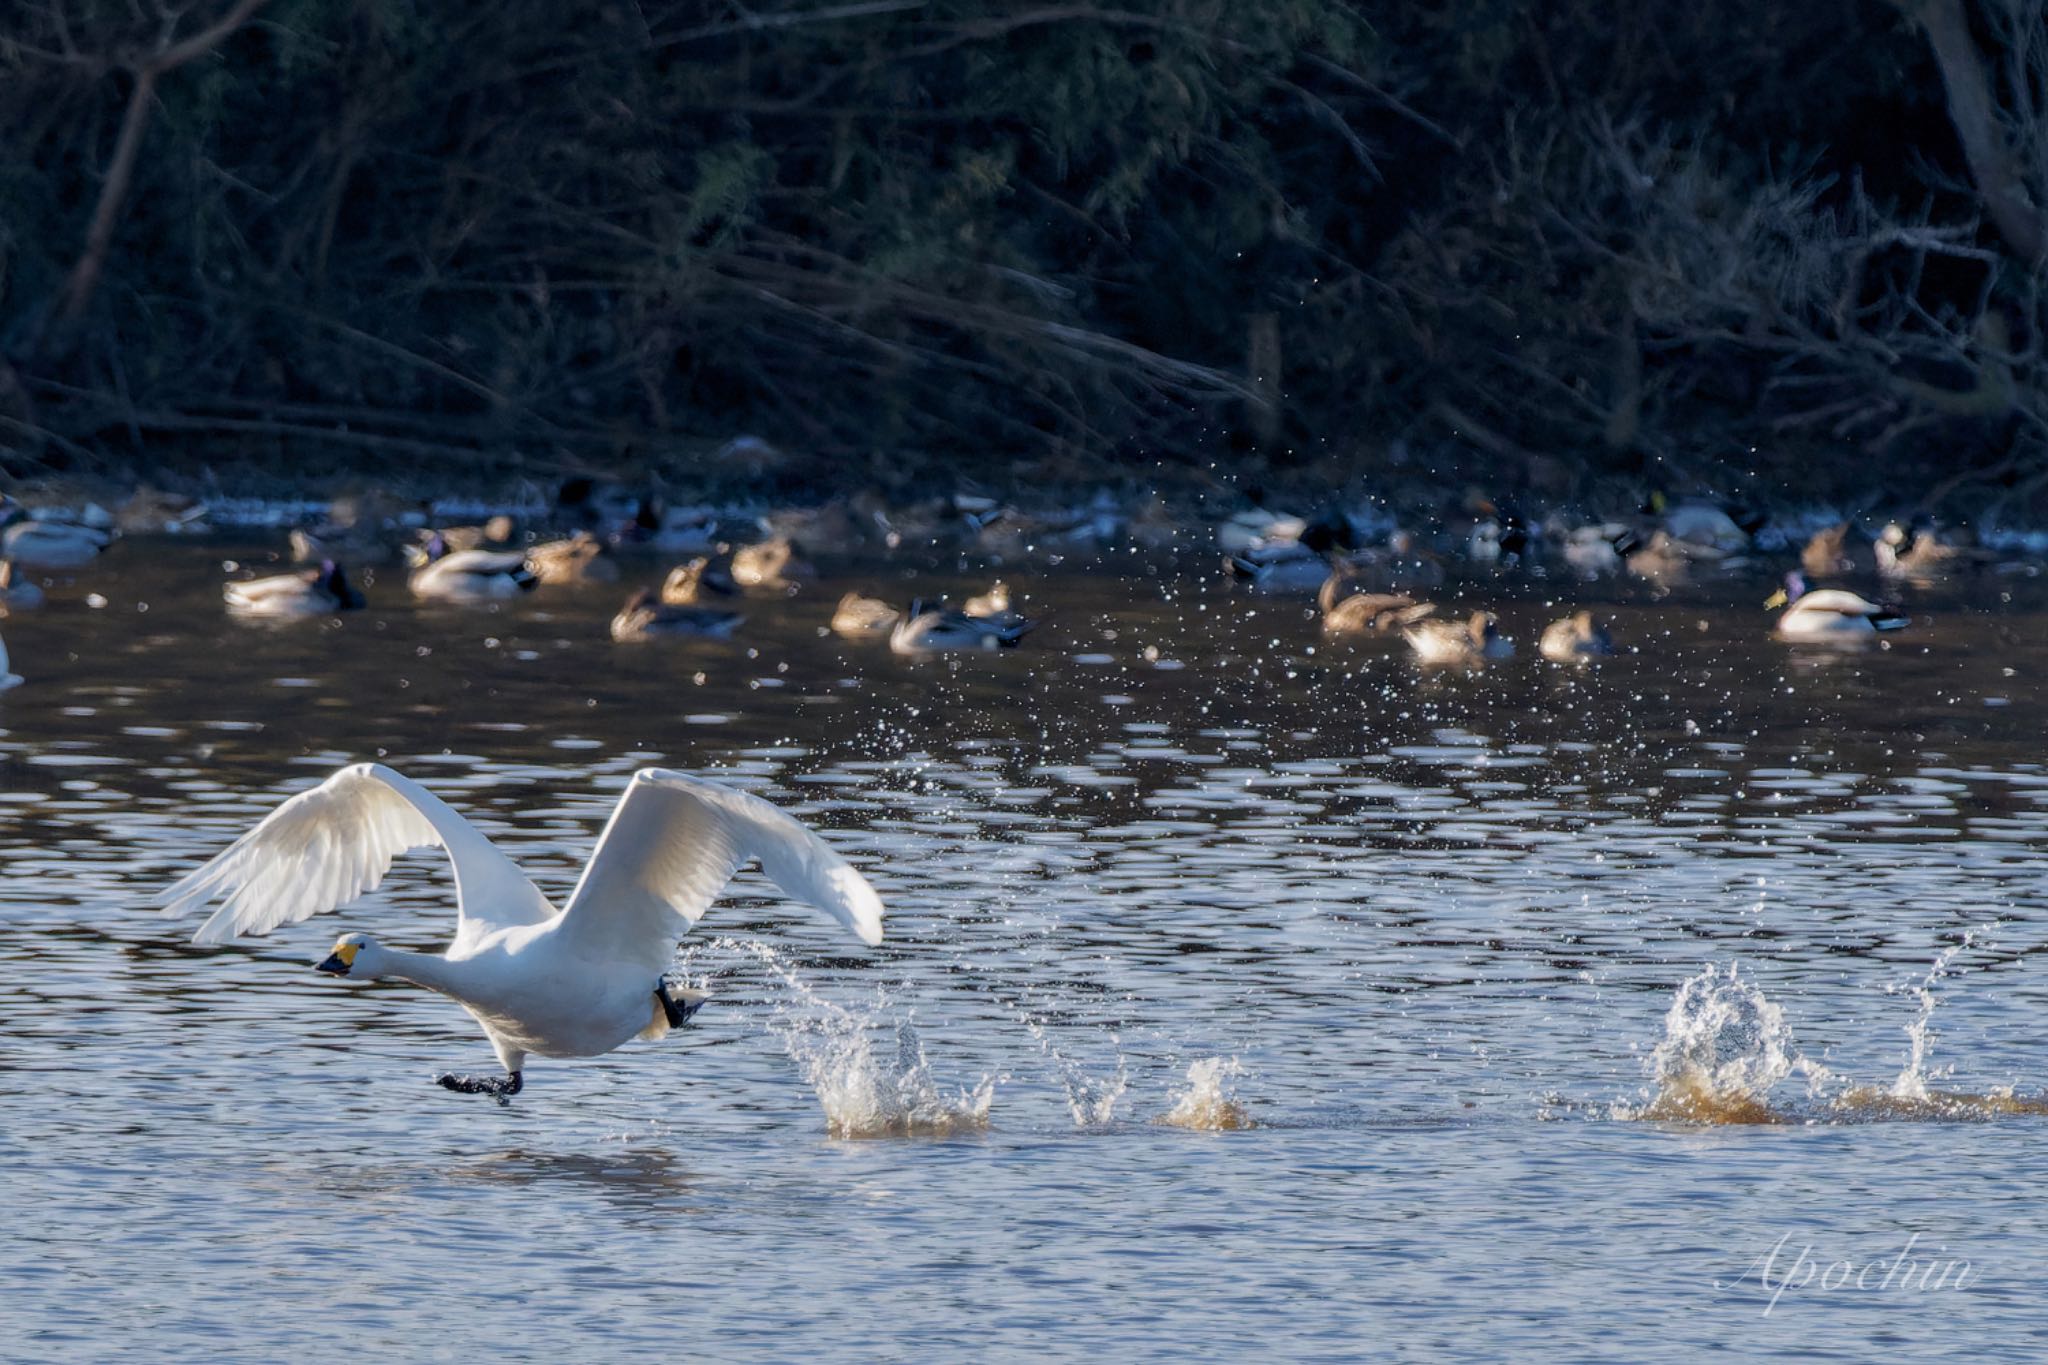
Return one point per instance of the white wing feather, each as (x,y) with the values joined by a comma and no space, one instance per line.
(671,846)
(325,847)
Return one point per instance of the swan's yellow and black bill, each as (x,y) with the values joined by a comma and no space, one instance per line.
(339,961)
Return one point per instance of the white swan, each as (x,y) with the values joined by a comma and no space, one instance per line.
(571,983)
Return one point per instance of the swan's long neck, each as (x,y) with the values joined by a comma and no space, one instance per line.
(431,970)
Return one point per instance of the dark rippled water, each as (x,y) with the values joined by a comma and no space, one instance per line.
(1393,950)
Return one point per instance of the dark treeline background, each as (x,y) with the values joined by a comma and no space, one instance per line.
(1538,242)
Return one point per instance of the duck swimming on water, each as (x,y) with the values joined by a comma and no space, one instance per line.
(574,982)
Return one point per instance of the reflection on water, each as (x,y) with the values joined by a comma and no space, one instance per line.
(1177,861)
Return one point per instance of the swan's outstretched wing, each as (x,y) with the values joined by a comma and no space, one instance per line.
(672,845)
(327,846)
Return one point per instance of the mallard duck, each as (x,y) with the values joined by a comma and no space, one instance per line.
(1922,557)
(498,533)
(1575,639)
(1827,553)
(928,630)
(48,541)
(670,530)
(863,617)
(1828,614)
(776,563)
(1664,559)
(577,982)
(1470,641)
(1595,551)
(310,592)
(993,603)
(468,575)
(150,511)
(16,592)
(691,582)
(1287,567)
(1256,529)
(1374,612)
(1697,521)
(645,617)
(577,559)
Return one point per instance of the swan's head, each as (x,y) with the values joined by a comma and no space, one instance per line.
(354,955)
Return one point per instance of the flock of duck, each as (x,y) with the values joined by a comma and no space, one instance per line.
(1376,581)
(588,977)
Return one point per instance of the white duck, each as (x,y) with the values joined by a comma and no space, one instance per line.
(1829,614)
(577,982)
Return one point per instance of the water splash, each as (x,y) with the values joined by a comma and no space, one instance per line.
(1091,1097)
(871,1092)
(1210,1104)
(1912,1080)
(1910,1095)
(867,1088)
(1725,1048)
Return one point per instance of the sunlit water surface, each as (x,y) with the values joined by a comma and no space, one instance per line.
(1243,993)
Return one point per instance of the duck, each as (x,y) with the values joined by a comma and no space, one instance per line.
(16,592)
(580,981)
(773,564)
(1288,566)
(1827,552)
(1471,641)
(689,583)
(361,544)
(993,606)
(993,603)
(1497,535)
(497,533)
(49,541)
(929,630)
(1829,613)
(1921,557)
(8,680)
(1698,521)
(1595,551)
(670,530)
(1374,612)
(1665,559)
(645,617)
(468,575)
(309,592)
(579,558)
(1575,639)
(863,618)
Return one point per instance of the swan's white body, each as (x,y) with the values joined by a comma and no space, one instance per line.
(570,983)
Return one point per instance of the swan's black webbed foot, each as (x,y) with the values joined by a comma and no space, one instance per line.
(500,1087)
(678,1011)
